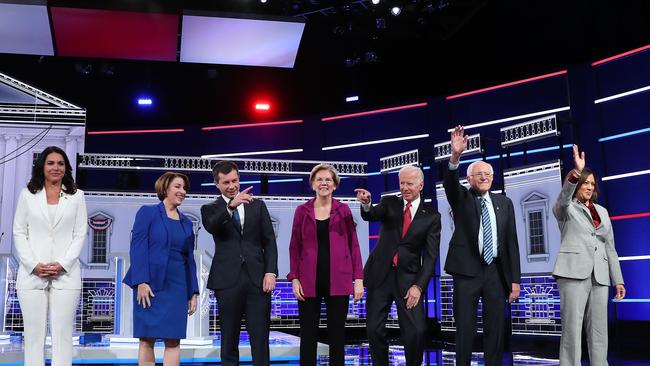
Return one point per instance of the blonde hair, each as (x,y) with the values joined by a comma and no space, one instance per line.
(163,182)
(328,167)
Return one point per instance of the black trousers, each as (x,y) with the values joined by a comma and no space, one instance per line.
(412,322)
(309,313)
(489,286)
(244,298)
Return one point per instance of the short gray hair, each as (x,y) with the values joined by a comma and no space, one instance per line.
(413,168)
(470,168)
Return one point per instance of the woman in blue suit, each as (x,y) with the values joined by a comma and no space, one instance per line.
(163,271)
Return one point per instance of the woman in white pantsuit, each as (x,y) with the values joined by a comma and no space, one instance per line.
(49,231)
(585,266)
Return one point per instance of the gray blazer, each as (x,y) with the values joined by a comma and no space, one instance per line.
(584,248)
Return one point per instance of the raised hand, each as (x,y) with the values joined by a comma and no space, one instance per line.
(578,159)
(458,143)
(243,197)
(363,196)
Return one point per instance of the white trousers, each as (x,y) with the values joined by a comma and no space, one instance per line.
(62,306)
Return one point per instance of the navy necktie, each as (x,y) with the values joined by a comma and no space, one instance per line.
(488,254)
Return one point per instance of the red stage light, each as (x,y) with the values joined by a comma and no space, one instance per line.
(262,106)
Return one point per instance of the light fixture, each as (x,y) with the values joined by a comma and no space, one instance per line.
(262,106)
(375,2)
(395,10)
(145,102)
(353,98)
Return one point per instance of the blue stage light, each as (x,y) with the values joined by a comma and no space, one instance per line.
(145,102)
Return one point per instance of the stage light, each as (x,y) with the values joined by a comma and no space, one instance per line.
(625,175)
(375,2)
(371,57)
(621,95)
(353,98)
(624,134)
(374,142)
(512,83)
(263,1)
(396,10)
(262,106)
(376,111)
(145,102)
(249,153)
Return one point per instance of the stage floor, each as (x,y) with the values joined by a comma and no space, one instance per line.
(285,351)
(283,348)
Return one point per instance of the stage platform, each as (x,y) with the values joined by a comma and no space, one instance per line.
(283,348)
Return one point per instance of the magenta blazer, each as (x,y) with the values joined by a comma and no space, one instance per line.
(345,255)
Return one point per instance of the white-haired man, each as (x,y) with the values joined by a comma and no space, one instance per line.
(483,255)
(400,265)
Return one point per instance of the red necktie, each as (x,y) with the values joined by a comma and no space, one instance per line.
(405,227)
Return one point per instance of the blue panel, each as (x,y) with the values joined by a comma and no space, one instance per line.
(635,274)
(625,195)
(624,74)
(631,236)
(624,114)
(375,127)
(507,102)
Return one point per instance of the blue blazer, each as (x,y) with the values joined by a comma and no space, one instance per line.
(150,249)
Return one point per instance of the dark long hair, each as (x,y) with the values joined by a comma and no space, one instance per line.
(586,172)
(37,181)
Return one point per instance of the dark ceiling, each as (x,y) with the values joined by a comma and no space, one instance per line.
(434,47)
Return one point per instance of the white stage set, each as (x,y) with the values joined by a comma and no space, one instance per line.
(31,119)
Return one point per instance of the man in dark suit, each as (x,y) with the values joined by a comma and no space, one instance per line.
(245,264)
(400,266)
(483,255)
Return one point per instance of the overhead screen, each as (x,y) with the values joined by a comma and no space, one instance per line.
(232,41)
(25,29)
(115,34)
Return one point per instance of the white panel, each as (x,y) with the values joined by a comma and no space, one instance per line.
(25,29)
(123,208)
(232,41)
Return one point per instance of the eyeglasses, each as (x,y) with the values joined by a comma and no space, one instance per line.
(482,175)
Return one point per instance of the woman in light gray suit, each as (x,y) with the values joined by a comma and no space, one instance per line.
(585,265)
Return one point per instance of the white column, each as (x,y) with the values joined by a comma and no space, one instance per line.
(71,151)
(198,326)
(9,194)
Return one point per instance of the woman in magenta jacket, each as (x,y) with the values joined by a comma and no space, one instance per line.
(325,264)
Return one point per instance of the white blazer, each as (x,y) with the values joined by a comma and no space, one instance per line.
(38,239)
